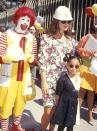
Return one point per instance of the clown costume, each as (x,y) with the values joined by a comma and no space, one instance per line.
(18,49)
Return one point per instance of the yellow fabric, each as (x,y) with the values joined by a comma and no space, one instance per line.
(6,59)
(88,80)
(0,33)
(12,99)
(12,94)
(86,61)
(29,58)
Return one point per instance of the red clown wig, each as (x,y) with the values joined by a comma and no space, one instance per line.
(24,11)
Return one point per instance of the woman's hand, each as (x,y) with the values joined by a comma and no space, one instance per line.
(44,84)
(44,87)
(87,54)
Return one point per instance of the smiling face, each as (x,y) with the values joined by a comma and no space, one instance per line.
(73,66)
(23,24)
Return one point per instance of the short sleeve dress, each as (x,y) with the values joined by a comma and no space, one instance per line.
(50,59)
(66,110)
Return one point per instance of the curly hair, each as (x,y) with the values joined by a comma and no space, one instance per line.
(53,27)
(24,11)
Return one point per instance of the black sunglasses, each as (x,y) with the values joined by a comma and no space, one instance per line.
(64,22)
(74,66)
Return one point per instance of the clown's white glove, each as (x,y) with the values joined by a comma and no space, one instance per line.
(29,57)
(13,54)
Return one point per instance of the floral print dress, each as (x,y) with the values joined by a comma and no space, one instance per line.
(50,59)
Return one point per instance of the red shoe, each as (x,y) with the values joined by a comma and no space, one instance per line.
(17,128)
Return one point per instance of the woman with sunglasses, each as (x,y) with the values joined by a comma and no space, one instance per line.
(53,46)
(67,94)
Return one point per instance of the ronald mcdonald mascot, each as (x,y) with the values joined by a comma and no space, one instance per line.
(18,49)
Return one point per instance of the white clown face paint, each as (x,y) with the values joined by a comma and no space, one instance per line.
(23,24)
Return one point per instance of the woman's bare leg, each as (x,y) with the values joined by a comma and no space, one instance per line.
(52,127)
(90,101)
(45,120)
(82,93)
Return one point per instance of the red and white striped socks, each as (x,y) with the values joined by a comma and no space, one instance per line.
(4,124)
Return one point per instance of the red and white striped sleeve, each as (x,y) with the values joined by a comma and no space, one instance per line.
(3,45)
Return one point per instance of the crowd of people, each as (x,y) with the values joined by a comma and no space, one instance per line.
(63,67)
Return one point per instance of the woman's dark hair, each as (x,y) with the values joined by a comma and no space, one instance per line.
(69,56)
(53,27)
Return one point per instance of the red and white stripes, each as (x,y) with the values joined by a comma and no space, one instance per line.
(4,124)
(3,43)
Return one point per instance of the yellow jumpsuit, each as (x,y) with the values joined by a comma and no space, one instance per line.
(88,78)
(12,98)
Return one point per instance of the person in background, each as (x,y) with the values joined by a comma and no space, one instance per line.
(54,44)
(67,91)
(88,84)
(34,65)
(2,29)
(18,49)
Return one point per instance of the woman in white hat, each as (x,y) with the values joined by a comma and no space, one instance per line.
(54,45)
